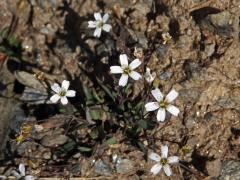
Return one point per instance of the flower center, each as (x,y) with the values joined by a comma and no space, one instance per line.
(62,93)
(100,24)
(163,104)
(163,161)
(127,70)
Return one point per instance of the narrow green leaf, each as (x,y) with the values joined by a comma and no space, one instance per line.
(94,133)
(88,94)
(143,124)
(84,149)
(111,141)
(95,114)
(96,96)
(106,89)
(142,146)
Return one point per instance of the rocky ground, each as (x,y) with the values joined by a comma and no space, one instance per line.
(192,45)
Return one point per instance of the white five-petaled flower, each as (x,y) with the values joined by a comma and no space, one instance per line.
(99,24)
(163,161)
(126,70)
(148,76)
(62,92)
(22,173)
(163,104)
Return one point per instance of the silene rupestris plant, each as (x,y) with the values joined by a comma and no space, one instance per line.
(120,108)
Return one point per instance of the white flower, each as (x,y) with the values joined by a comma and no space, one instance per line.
(21,174)
(163,161)
(166,37)
(163,104)
(126,70)
(62,92)
(148,76)
(99,24)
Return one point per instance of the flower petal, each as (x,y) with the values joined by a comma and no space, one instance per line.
(116,69)
(123,60)
(134,64)
(167,170)
(71,93)
(164,151)
(29,177)
(157,94)
(56,88)
(16,174)
(154,157)
(65,84)
(135,75)
(97,32)
(107,27)
(161,114)
(55,98)
(148,70)
(173,160)
(92,24)
(64,100)
(156,169)
(105,17)
(151,106)
(98,16)
(123,80)
(173,110)
(171,95)
(148,76)
(22,169)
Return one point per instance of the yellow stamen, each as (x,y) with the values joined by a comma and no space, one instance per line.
(62,93)
(163,104)
(127,70)
(163,161)
(20,138)
(100,24)
(26,128)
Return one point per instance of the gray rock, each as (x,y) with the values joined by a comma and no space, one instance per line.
(161,50)
(29,80)
(47,155)
(103,168)
(221,19)
(191,68)
(34,96)
(230,171)
(48,30)
(7,106)
(53,140)
(165,75)
(76,169)
(190,95)
(43,4)
(34,92)
(210,117)
(214,167)
(220,23)
(142,39)
(12,116)
(191,122)
(226,102)
(17,118)
(105,48)
(124,166)
(144,6)
(23,147)
(139,37)
(209,49)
